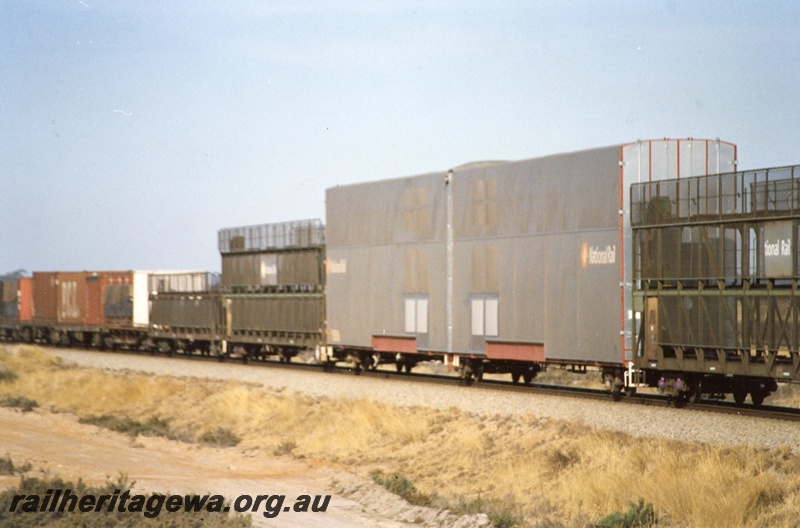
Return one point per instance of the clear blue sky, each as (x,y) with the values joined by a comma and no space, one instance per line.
(131,131)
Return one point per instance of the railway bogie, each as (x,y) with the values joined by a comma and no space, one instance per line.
(692,386)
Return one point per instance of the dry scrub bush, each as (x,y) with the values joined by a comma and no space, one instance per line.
(545,471)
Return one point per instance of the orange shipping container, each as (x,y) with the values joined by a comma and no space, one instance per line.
(96,284)
(25,299)
(15,300)
(59,297)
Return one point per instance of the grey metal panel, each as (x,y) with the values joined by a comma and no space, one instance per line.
(386,212)
(692,252)
(701,320)
(366,293)
(520,228)
(517,280)
(259,269)
(274,313)
(177,310)
(583,314)
(299,267)
(559,193)
(385,245)
(273,268)
(525,249)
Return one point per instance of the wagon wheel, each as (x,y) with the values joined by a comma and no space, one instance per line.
(467,374)
(515,377)
(696,394)
(368,361)
(356,365)
(757,396)
(375,360)
(739,395)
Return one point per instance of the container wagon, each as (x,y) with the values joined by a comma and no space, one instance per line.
(185,312)
(715,289)
(273,288)
(497,266)
(103,309)
(60,314)
(126,304)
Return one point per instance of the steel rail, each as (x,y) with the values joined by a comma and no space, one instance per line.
(644,399)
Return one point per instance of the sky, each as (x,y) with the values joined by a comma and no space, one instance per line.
(132,131)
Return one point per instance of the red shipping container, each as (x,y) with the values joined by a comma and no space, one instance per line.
(59,297)
(44,297)
(96,284)
(15,301)
(94,300)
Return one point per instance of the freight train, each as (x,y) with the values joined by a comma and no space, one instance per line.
(656,262)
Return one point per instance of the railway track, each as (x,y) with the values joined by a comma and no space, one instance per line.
(655,400)
(644,399)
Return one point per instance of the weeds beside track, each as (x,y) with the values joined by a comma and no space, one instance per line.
(525,469)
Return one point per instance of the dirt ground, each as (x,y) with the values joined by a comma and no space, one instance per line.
(60,446)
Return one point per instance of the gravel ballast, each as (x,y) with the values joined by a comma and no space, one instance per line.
(670,423)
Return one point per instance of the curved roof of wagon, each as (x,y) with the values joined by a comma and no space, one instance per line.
(485,164)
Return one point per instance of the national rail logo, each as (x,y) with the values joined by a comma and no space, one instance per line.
(595,255)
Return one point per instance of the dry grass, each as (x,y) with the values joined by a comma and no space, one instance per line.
(564,376)
(787,395)
(545,472)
